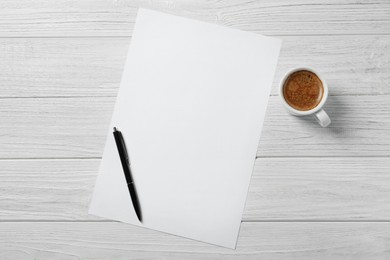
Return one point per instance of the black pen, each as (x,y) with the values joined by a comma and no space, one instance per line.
(120,144)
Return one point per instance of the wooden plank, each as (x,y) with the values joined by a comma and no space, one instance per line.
(46,67)
(280,189)
(351,65)
(319,189)
(116,18)
(54,127)
(36,67)
(76,127)
(256,241)
(47,189)
(360,127)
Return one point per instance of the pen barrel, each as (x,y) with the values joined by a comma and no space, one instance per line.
(135,200)
(120,144)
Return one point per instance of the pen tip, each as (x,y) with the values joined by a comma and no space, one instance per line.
(114,129)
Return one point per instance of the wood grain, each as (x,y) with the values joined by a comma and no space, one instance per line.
(54,127)
(319,189)
(47,189)
(351,65)
(360,127)
(61,67)
(76,127)
(281,189)
(66,67)
(69,18)
(256,241)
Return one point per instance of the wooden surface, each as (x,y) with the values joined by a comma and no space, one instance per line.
(281,189)
(258,240)
(315,193)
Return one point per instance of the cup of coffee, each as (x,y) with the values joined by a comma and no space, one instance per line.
(304,92)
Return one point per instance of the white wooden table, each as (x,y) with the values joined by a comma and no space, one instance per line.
(315,193)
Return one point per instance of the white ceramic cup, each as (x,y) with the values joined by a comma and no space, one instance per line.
(320,114)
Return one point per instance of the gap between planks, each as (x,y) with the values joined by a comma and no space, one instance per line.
(242,221)
(114,96)
(257,157)
(129,36)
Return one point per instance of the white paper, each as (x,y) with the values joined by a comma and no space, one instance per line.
(191,106)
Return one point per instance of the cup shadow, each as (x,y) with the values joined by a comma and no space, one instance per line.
(336,109)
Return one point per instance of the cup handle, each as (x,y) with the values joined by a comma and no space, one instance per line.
(322,118)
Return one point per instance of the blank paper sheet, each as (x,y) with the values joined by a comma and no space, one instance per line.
(191,107)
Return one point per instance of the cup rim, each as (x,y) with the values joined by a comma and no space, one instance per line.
(306,112)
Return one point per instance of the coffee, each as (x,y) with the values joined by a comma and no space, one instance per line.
(303,90)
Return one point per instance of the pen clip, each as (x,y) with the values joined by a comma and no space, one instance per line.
(123,144)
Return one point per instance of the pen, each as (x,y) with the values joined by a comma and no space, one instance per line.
(120,144)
